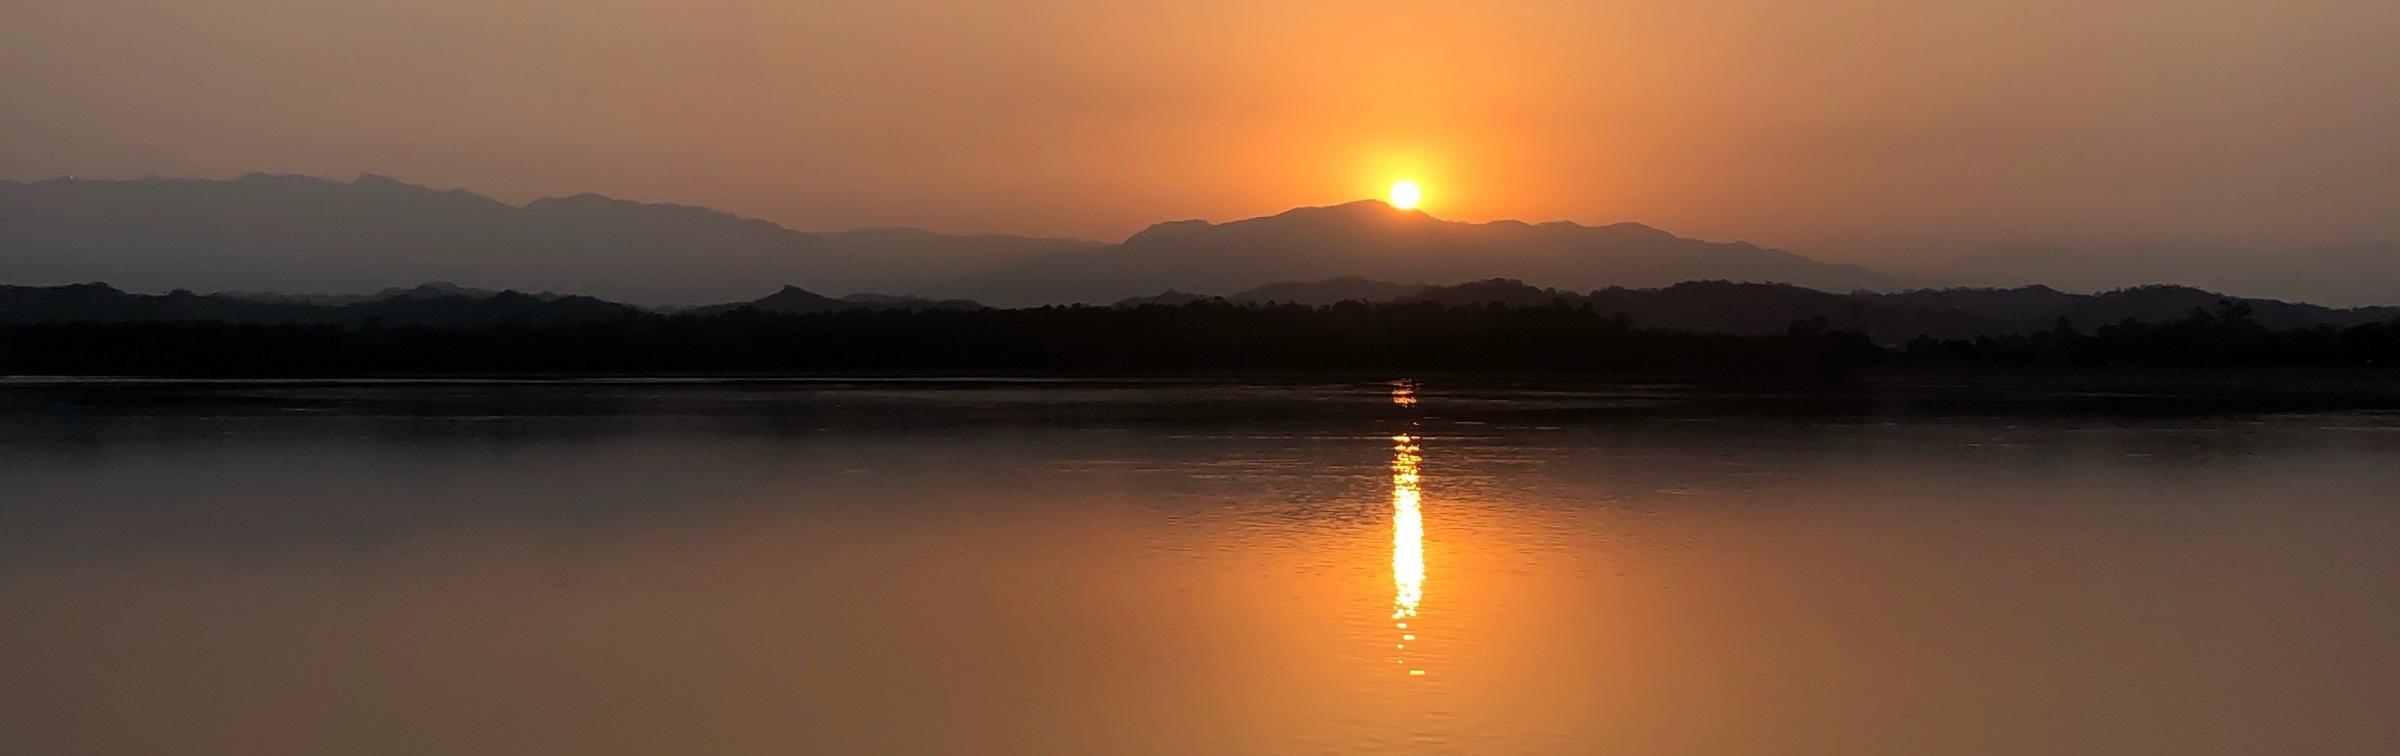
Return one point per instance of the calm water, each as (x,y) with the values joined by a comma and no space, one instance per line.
(1075,568)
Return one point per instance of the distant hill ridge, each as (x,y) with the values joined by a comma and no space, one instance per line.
(431,304)
(1697,306)
(793,300)
(270,233)
(101,303)
(1369,237)
(297,233)
(428,290)
(1325,292)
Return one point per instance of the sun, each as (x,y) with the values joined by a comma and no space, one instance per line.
(1406,195)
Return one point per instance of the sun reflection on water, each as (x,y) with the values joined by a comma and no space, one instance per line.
(1408,528)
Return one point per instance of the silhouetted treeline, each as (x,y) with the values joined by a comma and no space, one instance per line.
(1898,317)
(1197,337)
(1193,338)
(2230,336)
(1696,306)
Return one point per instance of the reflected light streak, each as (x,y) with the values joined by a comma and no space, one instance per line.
(1408,530)
(1408,527)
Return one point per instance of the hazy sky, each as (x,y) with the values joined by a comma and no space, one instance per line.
(1847,129)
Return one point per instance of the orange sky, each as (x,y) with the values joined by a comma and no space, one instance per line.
(1866,130)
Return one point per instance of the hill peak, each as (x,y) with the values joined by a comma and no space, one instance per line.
(1348,215)
(1366,209)
(1360,213)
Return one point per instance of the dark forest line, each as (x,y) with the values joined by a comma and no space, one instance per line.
(1200,337)
(1890,319)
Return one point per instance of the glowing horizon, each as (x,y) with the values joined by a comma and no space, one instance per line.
(1876,133)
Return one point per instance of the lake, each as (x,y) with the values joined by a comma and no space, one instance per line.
(1184,567)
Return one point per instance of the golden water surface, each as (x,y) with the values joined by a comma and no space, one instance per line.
(1378,569)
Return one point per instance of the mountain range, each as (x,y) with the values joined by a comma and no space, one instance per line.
(301,234)
(298,234)
(1370,238)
